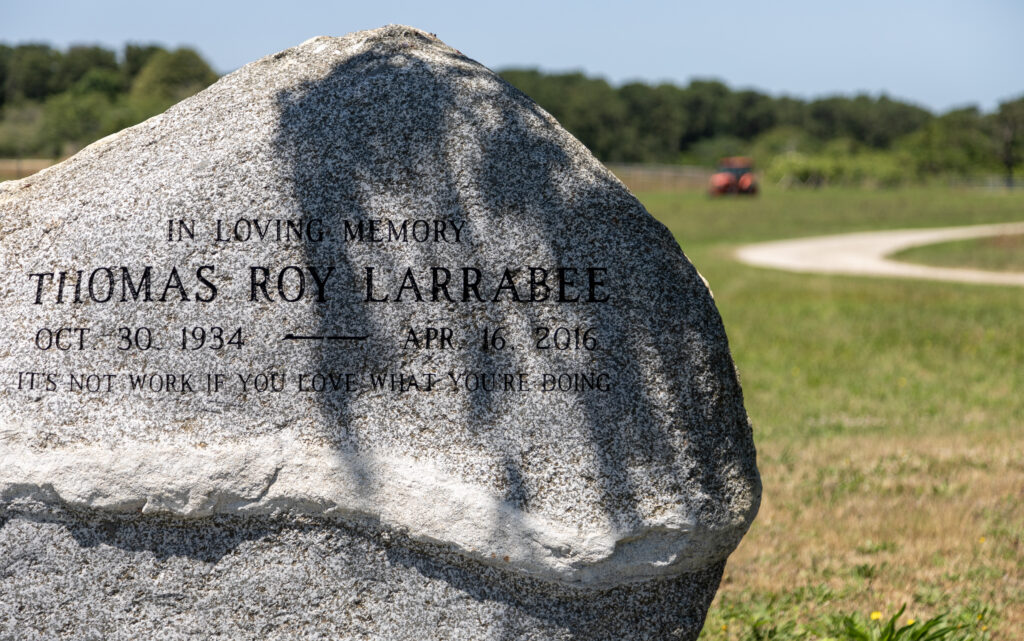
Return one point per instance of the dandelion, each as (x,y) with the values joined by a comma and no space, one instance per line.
(876,615)
(911,621)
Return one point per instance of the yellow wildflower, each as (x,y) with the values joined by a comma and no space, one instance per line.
(911,621)
(876,615)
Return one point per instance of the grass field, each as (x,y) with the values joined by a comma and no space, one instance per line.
(889,419)
(998,253)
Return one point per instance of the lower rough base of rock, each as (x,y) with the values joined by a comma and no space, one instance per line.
(76,576)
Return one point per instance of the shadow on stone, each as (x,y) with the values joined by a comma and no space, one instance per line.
(385,151)
(394,147)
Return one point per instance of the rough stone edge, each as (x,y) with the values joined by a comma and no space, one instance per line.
(666,607)
(352,41)
(276,476)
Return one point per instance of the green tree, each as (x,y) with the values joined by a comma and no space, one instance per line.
(641,123)
(790,112)
(703,102)
(100,80)
(748,113)
(958,142)
(78,61)
(135,58)
(657,120)
(168,77)
(873,122)
(71,121)
(1009,130)
(31,72)
(5,62)
(596,115)
(892,119)
(54,103)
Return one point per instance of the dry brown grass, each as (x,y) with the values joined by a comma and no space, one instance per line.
(13,168)
(935,522)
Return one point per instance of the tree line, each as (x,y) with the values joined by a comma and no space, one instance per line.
(836,139)
(54,102)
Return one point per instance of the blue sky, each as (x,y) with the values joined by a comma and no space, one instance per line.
(936,54)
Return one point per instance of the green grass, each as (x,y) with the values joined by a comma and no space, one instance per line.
(998,253)
(699,220)
(888,416)
(778,619)
(828,355)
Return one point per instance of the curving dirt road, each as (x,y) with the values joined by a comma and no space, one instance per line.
(865,254)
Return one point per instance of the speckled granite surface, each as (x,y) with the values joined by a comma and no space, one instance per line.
(156,578)
(362,281)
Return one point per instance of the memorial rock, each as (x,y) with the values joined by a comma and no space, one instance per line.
(358,343)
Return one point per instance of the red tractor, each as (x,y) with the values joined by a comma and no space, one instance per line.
(735,175)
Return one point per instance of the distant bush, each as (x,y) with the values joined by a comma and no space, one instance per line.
(53,103)
(864,169)
(172,76)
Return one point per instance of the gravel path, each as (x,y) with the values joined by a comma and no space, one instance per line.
(865,254)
